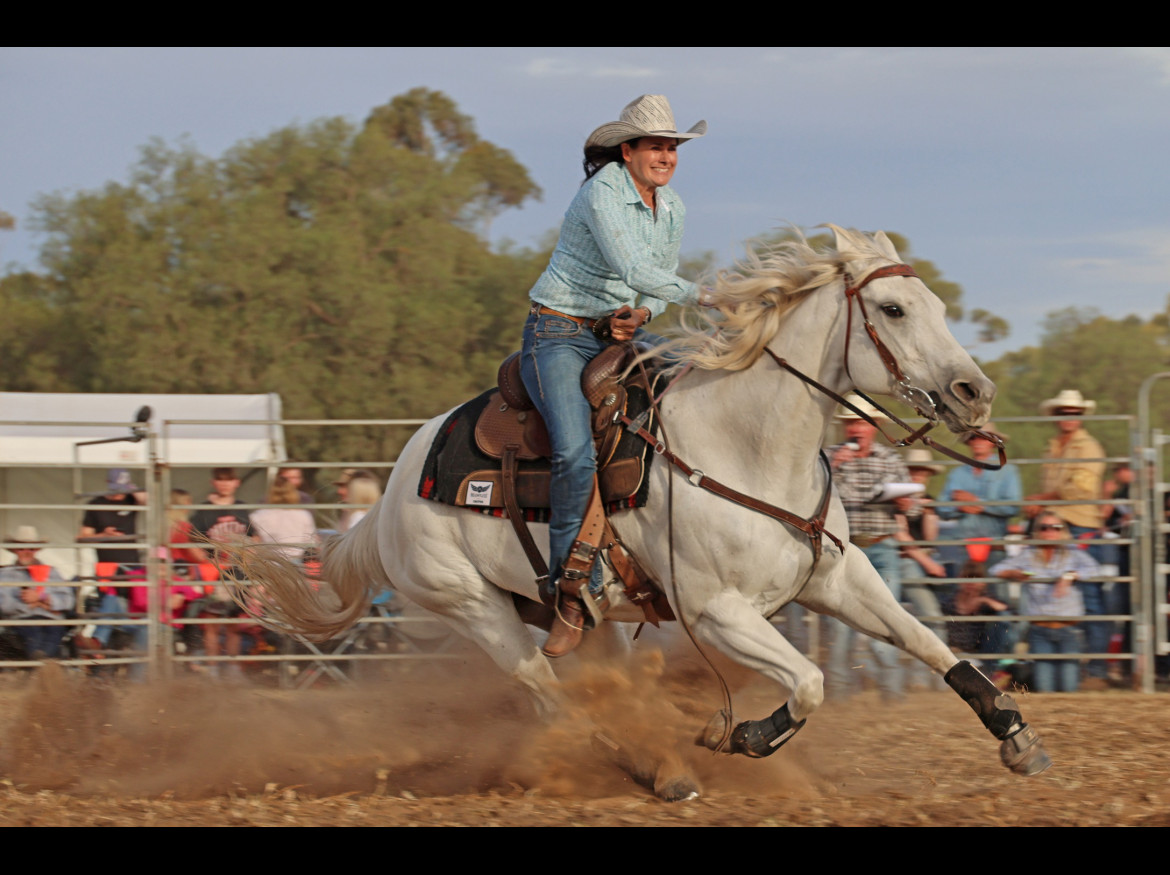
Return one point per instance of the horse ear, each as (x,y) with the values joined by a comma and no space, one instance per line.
(846,243)
(885,246)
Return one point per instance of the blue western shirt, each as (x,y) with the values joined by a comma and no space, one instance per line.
(1001,485)
(615,250)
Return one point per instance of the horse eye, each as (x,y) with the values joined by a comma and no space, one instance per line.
(893,311)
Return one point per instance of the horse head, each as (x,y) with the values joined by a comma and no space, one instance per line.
(897,341)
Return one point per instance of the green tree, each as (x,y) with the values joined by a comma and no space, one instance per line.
(1105,359)
(343,267)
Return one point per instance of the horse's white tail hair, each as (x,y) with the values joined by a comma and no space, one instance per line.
(278,594)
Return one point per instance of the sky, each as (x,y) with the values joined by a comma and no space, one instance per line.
(1034,178)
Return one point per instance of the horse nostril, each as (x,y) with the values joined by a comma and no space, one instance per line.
(966,392)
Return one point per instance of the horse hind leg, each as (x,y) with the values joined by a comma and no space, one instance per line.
(487,616)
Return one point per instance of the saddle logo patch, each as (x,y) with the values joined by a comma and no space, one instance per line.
(479,493)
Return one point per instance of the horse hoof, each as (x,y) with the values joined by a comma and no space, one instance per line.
(715,734)
(677,789)
(1024,753)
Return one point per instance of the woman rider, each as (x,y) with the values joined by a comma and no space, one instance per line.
(616,256)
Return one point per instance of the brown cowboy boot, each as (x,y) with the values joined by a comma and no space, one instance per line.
(567,629)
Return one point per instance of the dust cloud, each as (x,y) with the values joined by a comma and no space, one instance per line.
(447,728)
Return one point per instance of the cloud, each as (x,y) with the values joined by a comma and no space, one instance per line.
(1157,57)
(547,67)
(1135,257)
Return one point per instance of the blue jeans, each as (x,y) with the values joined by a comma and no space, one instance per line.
(116,605)
(553,357)
(885,559)
(1052,675)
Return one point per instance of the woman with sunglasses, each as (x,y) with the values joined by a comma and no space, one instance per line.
(1049,572)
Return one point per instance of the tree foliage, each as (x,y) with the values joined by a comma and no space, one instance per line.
(1105,359)
(343,267)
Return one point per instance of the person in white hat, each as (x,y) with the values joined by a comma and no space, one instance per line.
(1070,478)
(1074,477)
(33,599)
(861,469)
(613,269)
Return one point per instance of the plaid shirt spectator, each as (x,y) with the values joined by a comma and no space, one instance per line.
(860,480)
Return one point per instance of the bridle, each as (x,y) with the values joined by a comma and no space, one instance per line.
(913,396)
(919,399)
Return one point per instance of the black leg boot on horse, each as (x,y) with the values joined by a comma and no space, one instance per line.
(577,607)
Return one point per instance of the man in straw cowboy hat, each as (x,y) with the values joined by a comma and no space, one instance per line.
(1074,476)
(613,269)
(861,470)
(33,599)
(1070,477)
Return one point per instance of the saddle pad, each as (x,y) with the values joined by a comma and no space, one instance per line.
(458,473)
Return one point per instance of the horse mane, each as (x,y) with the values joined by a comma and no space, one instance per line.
(746,305)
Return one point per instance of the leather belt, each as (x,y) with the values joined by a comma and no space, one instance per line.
(1055,624)
(864,541)
(541,310)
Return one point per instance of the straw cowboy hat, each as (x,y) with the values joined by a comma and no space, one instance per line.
(648,116)
(26,535)
(1068,398)
(844,414)
(918,457)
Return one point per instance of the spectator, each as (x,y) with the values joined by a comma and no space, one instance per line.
(342,484)
(1070,478)
(861,470)
(1049,572)
(974,486)
(296,477)
(1119,519)
(291,526)
(180,532)
(971,599)
(920,561)
(110,517)
(227,522)
(362,492)
(34,600)
(181,588)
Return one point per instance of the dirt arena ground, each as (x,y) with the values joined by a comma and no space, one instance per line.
(454,744)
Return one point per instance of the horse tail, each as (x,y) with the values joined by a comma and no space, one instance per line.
(279,594)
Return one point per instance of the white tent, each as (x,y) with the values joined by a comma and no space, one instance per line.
(55,449)
(45,428)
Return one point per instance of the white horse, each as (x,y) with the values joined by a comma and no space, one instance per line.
(747,423)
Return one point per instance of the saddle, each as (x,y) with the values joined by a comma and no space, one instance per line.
(492,454)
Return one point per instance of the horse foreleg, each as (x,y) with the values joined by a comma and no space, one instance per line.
(730,623)
(859,597)
(1021,749)
(869,607)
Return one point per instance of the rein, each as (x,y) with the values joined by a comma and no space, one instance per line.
(814,528)
(917,398)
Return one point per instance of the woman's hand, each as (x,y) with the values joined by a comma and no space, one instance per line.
(625,321)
